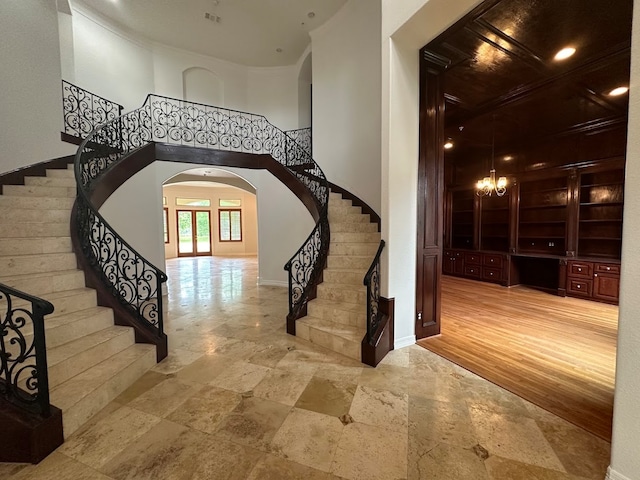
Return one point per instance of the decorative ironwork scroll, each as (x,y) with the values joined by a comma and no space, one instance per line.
(84,111)
(23,359)
(302,136)
(372,282)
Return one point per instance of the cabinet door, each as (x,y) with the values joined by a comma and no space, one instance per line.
(606,287)
(448,262)
(458,263)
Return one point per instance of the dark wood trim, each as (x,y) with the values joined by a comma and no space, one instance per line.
(27,437)
(72,139)
(194,233)
(383,339)
(16,177)
(165,213)
(357,202)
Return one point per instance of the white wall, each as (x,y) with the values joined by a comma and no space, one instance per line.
(30,97)
(407,26)
(109,62)
(136,208)
(625,453)
(346,99)
(305,77)
(273,92)
(200,85)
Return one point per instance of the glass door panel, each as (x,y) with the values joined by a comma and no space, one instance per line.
(185,233)
(203,233)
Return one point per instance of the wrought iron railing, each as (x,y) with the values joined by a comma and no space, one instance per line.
(23,358)
(83,111)
(372,282)
(303,137)
(132,279)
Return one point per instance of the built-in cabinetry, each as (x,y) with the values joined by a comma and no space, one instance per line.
(559,230)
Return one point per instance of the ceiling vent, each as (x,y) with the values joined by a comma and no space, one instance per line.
(214,18)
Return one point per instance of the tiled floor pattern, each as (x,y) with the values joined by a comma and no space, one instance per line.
(238,398)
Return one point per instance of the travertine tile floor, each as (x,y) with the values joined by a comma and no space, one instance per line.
(238,398)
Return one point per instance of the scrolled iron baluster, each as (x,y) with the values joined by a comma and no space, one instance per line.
(372,282)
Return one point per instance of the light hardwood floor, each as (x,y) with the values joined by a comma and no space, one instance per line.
(558,353)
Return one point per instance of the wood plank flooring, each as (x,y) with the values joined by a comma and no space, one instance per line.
(556,352)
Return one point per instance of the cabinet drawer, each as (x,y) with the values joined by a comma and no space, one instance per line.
(611,268)
(581,269)
(473,271)
(491,274)
(579,287)
(472,259)
(492,260)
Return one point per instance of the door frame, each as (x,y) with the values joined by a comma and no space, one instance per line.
(194,237)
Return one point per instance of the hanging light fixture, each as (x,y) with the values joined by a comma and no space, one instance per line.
(488,185)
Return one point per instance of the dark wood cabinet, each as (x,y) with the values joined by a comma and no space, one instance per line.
(594,280)
(559,230)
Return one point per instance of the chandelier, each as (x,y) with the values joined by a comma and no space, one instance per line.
(488,185)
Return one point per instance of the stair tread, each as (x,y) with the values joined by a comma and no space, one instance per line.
(27,276)
(71,317)
(341,286)
(348,332)
(72,391)
(70,349)
(347,307)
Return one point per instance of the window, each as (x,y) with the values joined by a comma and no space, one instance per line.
(230,225)
(193,202)
(165,219)
(229,203)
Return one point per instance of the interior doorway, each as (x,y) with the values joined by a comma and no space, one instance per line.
(194,233)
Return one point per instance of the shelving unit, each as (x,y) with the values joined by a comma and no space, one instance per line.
(494,223)
(542,226)
(600,215)
(462,229)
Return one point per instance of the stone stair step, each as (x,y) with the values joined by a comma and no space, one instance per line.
(354,248)
(348,218)
(61,172)
(337,198)
(40,203)
(71,326)
(354,227)
(349,237)
(34,246)
(343,293)
(344,313)
(340,209)
(31,230)
(43,283)
(69,301)
(350,261)
(343,276)
(84,395)
(74,357)
(343,339)
(50,181)
(38,191)
(32,215)
(26,264)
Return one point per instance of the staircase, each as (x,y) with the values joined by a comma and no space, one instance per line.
(336,318)
(90,360)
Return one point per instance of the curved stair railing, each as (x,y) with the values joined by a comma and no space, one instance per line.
(133,280)
(372,282)
(24,380)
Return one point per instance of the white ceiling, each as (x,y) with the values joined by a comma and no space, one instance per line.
(249,31)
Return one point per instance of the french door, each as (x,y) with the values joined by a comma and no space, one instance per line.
(194,233)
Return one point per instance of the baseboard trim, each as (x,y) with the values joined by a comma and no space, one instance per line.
(613,475)
(404,342)
(272,283)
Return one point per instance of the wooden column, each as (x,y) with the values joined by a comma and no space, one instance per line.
(430,199)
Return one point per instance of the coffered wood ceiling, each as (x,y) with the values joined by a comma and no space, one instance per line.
(501,74)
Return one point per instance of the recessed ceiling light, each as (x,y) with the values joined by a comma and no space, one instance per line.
(279,50)
(448,145)
(565,53)
(618,91)
(507,158)
(311,14)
